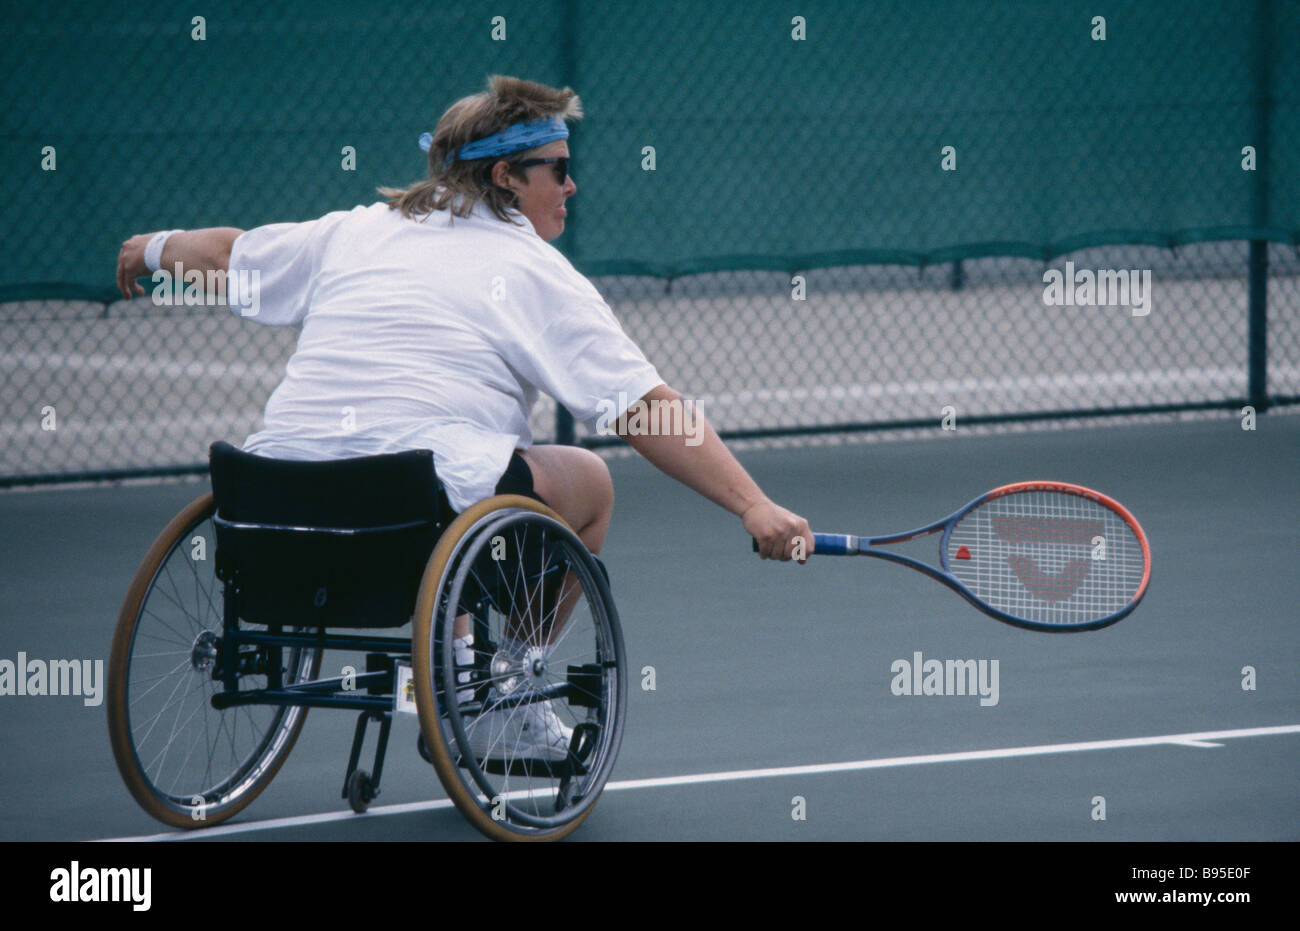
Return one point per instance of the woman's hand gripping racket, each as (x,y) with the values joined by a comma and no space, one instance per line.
(1040,555)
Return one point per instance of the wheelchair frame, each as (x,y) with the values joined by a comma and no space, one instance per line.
(261,647)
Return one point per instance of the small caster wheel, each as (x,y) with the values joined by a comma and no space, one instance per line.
(360,792)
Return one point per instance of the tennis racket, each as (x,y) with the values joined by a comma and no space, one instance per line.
(1039,555)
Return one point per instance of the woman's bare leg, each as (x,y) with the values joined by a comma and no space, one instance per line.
(575,483)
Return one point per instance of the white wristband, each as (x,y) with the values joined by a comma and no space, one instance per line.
(153,251)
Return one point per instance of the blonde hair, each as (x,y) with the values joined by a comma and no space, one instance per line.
(461,185)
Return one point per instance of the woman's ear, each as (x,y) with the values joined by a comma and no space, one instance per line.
(500,175)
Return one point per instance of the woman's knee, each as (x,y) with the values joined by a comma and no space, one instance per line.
(596,479)
(572,479)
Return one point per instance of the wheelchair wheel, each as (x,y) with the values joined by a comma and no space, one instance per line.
(546,648)
(188,764)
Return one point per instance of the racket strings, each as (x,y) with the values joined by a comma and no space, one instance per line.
(1047,556)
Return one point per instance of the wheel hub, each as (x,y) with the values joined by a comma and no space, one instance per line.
(203,655)
(534,666)
(510,673)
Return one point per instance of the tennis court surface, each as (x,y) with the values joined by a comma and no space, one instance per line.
(771,692)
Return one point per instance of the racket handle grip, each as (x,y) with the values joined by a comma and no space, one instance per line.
(835,544)
(829,544)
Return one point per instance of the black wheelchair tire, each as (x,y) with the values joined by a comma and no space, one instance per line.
(272,749)
(431,625)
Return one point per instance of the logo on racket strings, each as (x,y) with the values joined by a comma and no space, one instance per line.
(1049,586)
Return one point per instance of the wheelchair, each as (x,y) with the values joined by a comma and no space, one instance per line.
(220,644)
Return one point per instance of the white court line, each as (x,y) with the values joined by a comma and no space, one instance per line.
(1222,376)
(271,824)
(1200,739)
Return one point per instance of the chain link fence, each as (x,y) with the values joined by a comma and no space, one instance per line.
(132,388)
(823,219)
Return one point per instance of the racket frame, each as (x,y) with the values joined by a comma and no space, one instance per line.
(849,545)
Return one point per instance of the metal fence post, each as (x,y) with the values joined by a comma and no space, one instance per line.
(1258,332)
(1257,335)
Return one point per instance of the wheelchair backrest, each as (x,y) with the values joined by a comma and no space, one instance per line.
(339,542)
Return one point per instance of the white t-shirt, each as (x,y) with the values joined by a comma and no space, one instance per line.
(430,334)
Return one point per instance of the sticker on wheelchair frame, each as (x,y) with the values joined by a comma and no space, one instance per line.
(404,689)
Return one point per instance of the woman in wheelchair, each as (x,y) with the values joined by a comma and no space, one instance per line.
(429,322)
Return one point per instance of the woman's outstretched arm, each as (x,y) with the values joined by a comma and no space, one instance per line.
(205,250)
(701,461)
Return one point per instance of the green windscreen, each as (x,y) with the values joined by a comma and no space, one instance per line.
(718,135)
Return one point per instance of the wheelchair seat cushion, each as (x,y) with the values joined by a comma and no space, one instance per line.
(325,543)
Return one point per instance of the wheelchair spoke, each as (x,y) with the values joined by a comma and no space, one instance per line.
(194,742)
(172,745)
(208,744)
(206,590)
(177,599)
(533,614)
(200,588)
(160,756)
(173,671)
(180,638)
(233,721)
(154,718)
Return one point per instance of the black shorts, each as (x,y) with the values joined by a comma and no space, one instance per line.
(518,480)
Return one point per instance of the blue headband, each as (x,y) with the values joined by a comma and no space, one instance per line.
(511,139)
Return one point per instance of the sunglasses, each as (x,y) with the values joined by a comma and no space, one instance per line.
(559,165)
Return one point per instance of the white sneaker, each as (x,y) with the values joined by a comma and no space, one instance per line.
(523,732)
(550,723)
